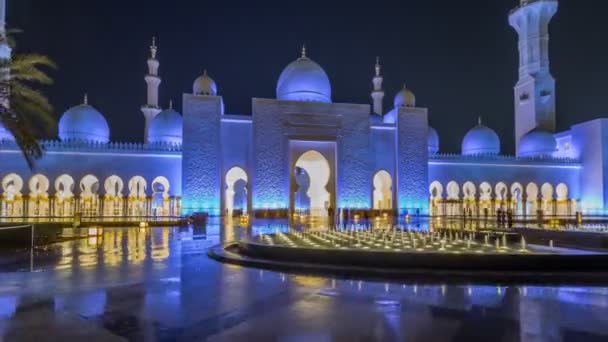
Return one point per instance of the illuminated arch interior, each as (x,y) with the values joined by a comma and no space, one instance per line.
(39,186)
(137,187)
(113,186)
(64,186)
(12,184)
(453,190)
(89,185)
(317,169)
(383,190)
(236,190)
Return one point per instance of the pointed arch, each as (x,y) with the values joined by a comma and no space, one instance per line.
(485,191)
(453,190)
(501,191)
(12,184)
(546,191)
(38,203)
(64,186)
(137,187)
(436,198)
(317,167)
(64,196)
(39,185)
(160,196)
(562,191)
(469,191)
(12,202)
(563,203)
(236,196)
(531,199)
(89,195)
(436,190)
(113,186)
(532,192)
(383,190)
(137,196)
(161,185)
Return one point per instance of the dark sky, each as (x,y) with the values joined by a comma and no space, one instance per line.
(459,57)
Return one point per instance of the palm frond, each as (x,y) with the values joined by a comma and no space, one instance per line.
(34,113)
(21,130)
(28,68)
(20,92)
(32,59)
(29,108)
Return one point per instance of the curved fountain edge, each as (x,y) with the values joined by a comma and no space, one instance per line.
(232,253)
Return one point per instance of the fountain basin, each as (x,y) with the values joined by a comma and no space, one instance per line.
(536,265)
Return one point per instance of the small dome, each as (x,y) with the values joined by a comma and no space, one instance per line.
(537,143)
(83,122)
(433,141)
(204,85)
(304,80)
(166,127)
(481,140)
(405,98)
(5,135)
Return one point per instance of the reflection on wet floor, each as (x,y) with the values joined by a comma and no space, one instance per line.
(156,284)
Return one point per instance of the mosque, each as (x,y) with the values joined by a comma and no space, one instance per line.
(302,153)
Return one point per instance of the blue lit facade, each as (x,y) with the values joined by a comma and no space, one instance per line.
(203,160)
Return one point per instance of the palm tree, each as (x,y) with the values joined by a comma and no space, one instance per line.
(22,107)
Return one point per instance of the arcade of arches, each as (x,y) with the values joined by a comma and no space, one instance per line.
(89,196)
(486,199)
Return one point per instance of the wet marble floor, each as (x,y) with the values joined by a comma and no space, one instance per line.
(157,284)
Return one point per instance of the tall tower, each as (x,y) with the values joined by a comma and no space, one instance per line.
(378,93)
(5,54)
(151,109)
(2,17)
(535,89)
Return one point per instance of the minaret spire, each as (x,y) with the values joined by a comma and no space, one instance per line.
(85,99)
(535,90)
(3,19)
(378,92)
(5,55)
(303,51)
(151,109)
(153,48)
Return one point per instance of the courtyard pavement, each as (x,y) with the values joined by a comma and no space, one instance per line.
(157,284)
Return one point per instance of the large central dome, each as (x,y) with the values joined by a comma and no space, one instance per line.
(304,80)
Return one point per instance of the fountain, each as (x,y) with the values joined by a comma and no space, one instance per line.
(443,243)
(523,244)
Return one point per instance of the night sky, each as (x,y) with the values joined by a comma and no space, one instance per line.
(458,57)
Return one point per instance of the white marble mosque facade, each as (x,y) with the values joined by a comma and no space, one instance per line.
(301,152)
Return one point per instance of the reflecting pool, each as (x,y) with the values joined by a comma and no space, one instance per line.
(157,284)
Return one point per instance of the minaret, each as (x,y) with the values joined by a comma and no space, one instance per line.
(378,93)
(5,54)
(3,18)
(151,108)
(535,90)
